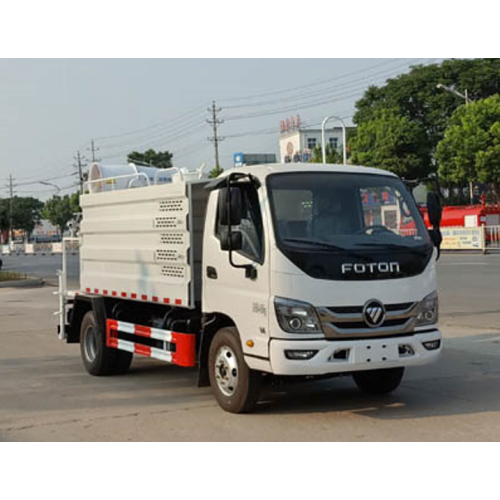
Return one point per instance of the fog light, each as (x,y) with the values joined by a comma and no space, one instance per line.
(297,355)
(432,345)
(405,350)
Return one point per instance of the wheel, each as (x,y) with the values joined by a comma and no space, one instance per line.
(236,388)
(379,381)
(97,358)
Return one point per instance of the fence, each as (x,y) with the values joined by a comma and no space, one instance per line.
(39,248)
(492,236)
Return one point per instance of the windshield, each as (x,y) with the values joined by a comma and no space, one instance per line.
(349,211)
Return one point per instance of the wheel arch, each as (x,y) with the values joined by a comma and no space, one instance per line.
(81,306)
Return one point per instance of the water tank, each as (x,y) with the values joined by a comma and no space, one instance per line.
(115,177)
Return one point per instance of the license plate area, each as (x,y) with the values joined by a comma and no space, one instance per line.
(377,352)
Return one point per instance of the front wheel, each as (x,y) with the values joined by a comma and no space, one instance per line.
(236,388)
(379,381)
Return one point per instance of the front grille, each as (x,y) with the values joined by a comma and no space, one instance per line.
(359,309)
(348,321)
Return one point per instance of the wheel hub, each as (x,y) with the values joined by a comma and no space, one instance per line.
(90,344)
(226,371)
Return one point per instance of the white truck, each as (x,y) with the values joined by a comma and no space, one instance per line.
(276,270)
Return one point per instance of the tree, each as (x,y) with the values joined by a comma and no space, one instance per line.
(215,172)
(332,155)
(4,215)
(74,203)
(392,142)
(26,213)
(470,150)
(415,96)
(158,159)
(58,211)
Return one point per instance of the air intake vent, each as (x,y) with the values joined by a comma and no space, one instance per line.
(173,271)
(167,222)
(172,238)
(168,256)
(171,205)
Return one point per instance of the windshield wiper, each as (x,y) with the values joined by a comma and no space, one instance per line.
(394,246)
(327,246)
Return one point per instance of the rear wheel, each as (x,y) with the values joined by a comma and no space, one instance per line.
(236,388)
(379,381)
(97,358)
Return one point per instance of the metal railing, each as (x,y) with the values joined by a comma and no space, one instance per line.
(492,236)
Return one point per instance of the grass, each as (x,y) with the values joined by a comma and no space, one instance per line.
(11,276)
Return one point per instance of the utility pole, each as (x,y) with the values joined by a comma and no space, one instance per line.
(93,150)
(214,121)
(80,166)
(10,187)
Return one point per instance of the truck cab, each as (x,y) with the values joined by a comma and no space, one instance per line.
(320,281)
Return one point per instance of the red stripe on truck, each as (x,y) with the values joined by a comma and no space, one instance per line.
(142,349)
(185,354)
(143,331)
(178,302)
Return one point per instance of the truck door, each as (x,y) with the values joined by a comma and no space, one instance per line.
(242,294)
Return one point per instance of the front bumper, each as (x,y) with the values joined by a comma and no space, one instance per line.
(353,355)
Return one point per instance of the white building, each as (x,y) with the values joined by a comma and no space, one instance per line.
(297,143)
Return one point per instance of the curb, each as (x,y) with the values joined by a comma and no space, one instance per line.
(27,283)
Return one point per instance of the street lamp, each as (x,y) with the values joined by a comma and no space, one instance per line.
(45,183)
(323,145)
(465,97)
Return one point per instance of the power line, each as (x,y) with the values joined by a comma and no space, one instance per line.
(316,83)
(333,95)
(169,122)
(215,138)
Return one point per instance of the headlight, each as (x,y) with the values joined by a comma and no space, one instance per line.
(297,317)
(429,310)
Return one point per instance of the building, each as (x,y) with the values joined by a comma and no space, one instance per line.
(297,142)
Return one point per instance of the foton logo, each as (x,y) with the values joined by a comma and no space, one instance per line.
(372,268)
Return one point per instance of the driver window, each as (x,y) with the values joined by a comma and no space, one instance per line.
(251,225)
(383,208)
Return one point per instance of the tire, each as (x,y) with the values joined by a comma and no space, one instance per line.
(379,381)
(97,358)
(235,387)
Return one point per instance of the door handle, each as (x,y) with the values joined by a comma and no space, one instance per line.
(211,272)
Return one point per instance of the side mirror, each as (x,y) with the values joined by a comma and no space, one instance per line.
(236,241)
(230,214)
(434,209)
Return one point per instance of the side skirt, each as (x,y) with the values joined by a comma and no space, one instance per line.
(172,347)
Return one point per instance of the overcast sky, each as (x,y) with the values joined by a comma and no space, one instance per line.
(51,108)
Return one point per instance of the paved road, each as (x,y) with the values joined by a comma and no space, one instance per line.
(42,266)
(46,395)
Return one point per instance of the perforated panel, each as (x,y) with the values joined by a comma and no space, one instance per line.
(173,271)
(171,205)
(167,255)
(168,222)
(172,238)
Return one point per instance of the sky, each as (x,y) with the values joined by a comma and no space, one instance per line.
(52,108)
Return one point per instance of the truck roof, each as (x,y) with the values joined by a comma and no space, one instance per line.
(262,171)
